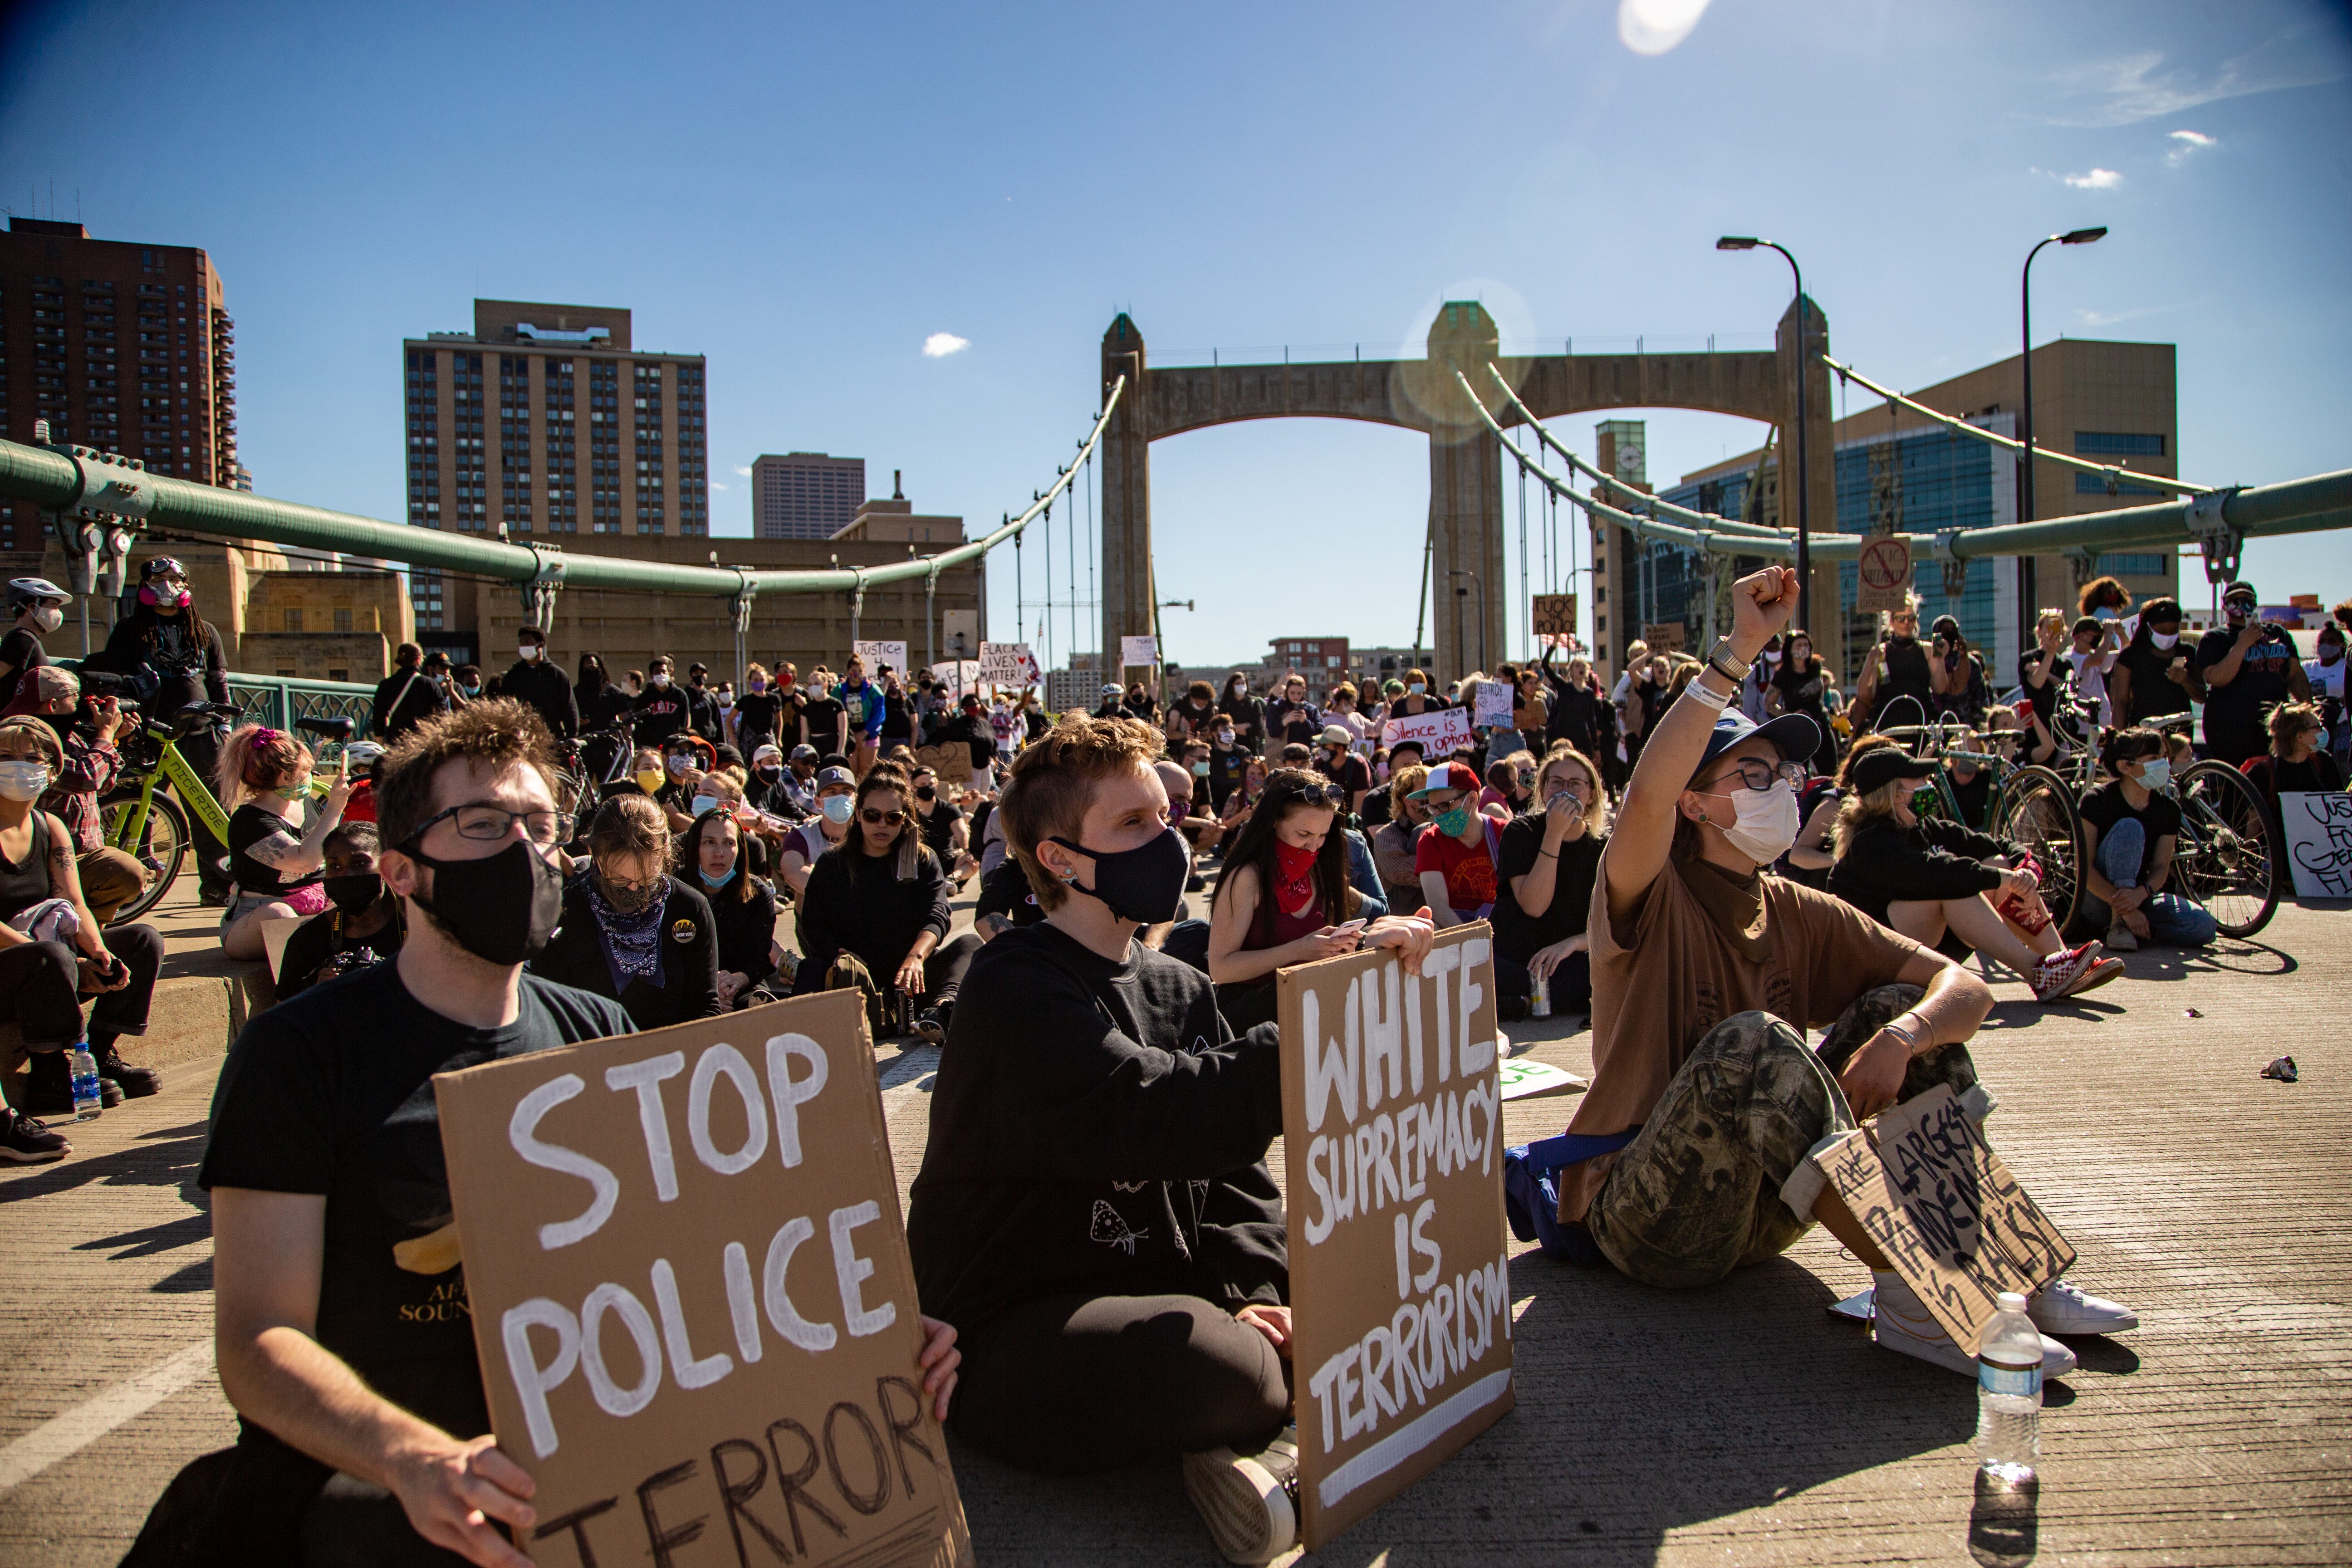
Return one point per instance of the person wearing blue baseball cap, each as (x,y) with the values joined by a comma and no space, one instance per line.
(1687,1157)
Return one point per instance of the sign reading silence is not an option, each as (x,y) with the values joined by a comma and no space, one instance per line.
(692,1297)
(1400,1271)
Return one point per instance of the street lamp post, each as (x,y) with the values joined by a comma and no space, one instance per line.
(2025,594)
(1804,491)
(1474,583)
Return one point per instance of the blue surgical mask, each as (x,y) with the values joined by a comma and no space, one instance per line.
(714,883)
(2155,775)
(703,803)
(1416,689)
(837,808)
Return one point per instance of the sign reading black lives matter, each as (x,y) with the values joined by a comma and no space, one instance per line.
(693,1300)
(1400,1272)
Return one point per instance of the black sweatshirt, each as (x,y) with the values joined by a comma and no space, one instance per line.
(1096,1127)
(1935,859)
(690,950)
(855,904)
(545,688)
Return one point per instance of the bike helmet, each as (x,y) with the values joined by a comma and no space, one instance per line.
(23,590)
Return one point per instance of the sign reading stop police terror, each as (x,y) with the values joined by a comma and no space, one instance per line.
(1400,1271)
(692,1296)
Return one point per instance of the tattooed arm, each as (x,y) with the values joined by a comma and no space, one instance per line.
(65,882)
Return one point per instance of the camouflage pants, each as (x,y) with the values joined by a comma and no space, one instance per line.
(1697,1194)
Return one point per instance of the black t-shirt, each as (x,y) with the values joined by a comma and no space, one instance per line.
(661,712)
(1095,1130)
(937,821)
(2105,806)
(20,650)
(1006,891)
(1975,793)
(1903,672)
(2235,727)
(897,723)
(2153,693)
(248,826)
(824,717)
(1517,934)
(1226,771)
(331,1093)
(1801,690)
(1350,773)
(321,938)
(756,713)
(2044,698)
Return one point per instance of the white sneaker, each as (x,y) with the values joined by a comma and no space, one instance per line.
(2121,938)
(1900,1322)
(1249,1501)
(2059,1308)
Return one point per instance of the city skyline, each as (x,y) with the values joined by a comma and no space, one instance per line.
(949,331)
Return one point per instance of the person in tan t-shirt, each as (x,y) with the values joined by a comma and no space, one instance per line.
(1706,975)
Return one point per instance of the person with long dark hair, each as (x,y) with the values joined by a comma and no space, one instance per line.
(1283,897)
(726,863)
(1956,674)
(2154,676)
(1799,685)
(173,657)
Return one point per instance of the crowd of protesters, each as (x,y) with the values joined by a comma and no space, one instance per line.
(1107,1041)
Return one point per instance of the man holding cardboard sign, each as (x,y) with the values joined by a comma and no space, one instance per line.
(1094,1206)
(342,1322)
(1688,1156)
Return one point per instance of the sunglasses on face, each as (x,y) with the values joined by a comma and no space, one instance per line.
(876,819)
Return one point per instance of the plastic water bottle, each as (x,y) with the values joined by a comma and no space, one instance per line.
(83,1067)
(2008,1401)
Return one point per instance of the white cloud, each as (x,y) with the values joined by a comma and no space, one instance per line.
(2128,88)
(2110,318)
(742,470)
(939,345)
(1655,26)
(2187,144)
(2096,180)
(716,486)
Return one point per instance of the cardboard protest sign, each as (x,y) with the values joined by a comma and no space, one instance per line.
(1884,573)
(2318,842)
(958,675)
(692,1296)
(878,652)
(1399,1267)
(1439,730)
(1494,704)
(1939,1202)
(1528,1079)
(951,762)
(1554,617)
(1666,637)
(1007,664)
(1138,650)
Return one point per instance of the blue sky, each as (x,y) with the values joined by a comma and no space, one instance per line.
(807,194)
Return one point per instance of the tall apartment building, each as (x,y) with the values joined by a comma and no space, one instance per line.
(805,495)
(570,387)
(122,346)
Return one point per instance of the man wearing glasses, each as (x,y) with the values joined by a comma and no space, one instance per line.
(1705,1097)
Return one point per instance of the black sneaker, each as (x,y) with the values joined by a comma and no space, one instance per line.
(48,1088)
(932,1026)
(24,1142)
(1248,1500)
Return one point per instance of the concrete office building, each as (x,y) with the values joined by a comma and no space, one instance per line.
(2108,402)
(805,495)
(594,435)
(122,346)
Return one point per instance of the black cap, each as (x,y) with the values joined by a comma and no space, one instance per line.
(1875,769)
(2157,610)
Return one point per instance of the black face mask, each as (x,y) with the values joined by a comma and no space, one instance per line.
(1144,884)
(502,908)
(770,774)
(355,894)
(926,792)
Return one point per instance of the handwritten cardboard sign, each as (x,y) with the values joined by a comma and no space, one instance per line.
(1399,1270)
(1007,664)
(1555,615)
(1945,1211)
(1439,730)
(692,1296)
(1884,573)
(877,652)
(958,675)
(1138,650)
(1495,698)
(951,761)
(2318,842)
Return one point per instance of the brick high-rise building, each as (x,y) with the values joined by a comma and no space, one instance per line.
(573,395)
(805,495)
(119,345)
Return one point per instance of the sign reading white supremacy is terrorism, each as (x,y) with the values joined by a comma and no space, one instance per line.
(1400,1269)
(1439,730)
(692,1297)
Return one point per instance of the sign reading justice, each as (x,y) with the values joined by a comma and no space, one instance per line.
(692,1296)
(1400,1271)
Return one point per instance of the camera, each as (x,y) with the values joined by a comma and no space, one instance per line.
(106,683)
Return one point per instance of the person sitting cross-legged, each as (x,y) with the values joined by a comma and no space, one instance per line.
(1933,879)
(1706,974)
(1094,1209)
(2131,824)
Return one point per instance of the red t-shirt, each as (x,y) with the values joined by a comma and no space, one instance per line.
(1468,868)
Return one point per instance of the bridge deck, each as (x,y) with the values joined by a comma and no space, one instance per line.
(1738,1425)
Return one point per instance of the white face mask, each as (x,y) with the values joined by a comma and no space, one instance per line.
(1766,821)
(2164,639)
(660,679)
(48,617)
(23,780)
(2155,776)
(528,651)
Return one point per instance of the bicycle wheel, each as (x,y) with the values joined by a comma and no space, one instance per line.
(2227,855)
(2036,809)
(164,851)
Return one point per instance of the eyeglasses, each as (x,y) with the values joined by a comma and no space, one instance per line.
(1759,774)
(873,817)
(488,824)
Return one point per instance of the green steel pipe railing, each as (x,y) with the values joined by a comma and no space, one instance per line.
(61,480)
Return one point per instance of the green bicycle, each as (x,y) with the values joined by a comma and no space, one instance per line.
(152,827)
(2032,805)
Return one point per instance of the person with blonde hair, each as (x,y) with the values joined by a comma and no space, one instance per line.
(1392,841)
(1925,877)
(1550,856)
(263,778)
